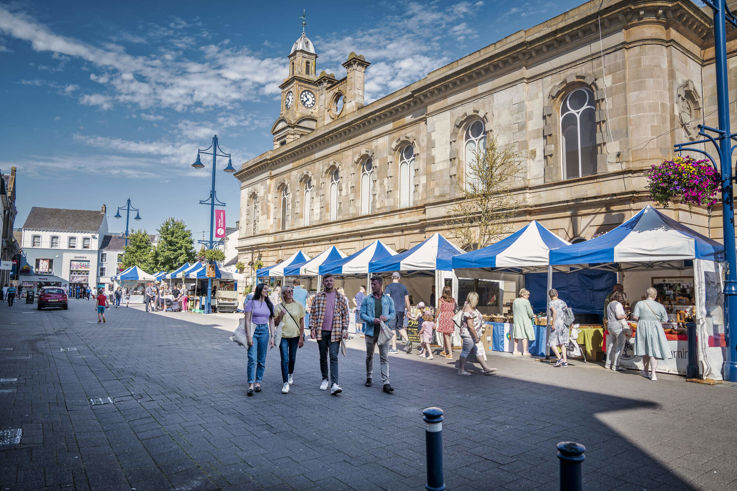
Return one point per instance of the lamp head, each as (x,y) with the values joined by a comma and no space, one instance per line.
(230,169)
(138,216)
(198,163)
(117,214)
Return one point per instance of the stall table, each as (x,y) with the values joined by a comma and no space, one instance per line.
(498,337)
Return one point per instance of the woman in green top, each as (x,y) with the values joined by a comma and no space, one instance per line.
(523,317)
(292,314)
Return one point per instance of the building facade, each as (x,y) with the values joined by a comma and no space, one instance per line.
(8,245)
(588,101)
(65,243)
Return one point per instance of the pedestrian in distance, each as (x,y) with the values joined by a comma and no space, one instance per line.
(357,302)
(400,295)
(523,329)
(329,320)
(471,331)
(5,291)
(118,296)
(445,324)
(259,320)
(101,304)
(10,295)
(300,296)
(616,324)
(375,309)
(559,330)
(426,332)
(650,341)
(148,296)
(291,315)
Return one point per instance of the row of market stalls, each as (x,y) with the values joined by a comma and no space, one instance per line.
(649,249)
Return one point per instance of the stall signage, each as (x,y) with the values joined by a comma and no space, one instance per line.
(79,265)
(210,271)
(6,265)
(219,224)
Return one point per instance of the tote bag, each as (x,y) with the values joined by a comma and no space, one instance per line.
(385,334)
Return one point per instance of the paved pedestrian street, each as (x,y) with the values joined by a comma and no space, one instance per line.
(158,401)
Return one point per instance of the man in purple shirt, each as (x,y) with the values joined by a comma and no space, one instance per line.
(329,319)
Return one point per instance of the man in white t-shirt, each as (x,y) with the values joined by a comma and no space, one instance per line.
(616,322)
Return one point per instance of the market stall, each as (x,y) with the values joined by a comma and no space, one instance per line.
(311,268)
(277,270)
(353,270)
(651,249)
(135,279)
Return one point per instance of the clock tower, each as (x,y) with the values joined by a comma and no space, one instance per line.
(299,102)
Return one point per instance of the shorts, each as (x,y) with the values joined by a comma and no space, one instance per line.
(400,322)
(100,309)
(468,347)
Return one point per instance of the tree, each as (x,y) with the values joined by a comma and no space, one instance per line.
(239,266)
(138,251)
(482,216)
(175,245)
(211,254)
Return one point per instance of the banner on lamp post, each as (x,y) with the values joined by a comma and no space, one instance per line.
(220,224)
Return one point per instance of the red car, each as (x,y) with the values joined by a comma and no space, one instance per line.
(52,296)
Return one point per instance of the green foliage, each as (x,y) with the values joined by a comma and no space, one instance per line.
(175,246)
(239,266)
(138,252)
(211,254)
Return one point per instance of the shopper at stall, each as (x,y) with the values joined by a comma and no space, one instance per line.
(357,302)
(445,325)
(400,295)
(292,314)
(328,325)
(650,341)
(559,330)
(616,323)
(259,320)
(471,331)
(426,332)
(185,298)
(375,309)
(523,329)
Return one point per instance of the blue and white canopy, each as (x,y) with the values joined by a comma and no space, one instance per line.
(358,262)
(648,236)
(160,275)
(278,269)
(134,273)
(433,254)
(311,267)
(192,270)
(201,272)
(177,273)
(529,246)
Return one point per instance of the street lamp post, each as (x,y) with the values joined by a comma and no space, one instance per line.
(128,209)
(721,138)
(213,201)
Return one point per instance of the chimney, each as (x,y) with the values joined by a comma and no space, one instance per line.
(355,67)
(104,209)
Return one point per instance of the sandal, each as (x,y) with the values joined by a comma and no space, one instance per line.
(490,371)
(257,388)
(249,393)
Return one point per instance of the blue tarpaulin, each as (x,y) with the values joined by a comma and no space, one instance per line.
(584,291)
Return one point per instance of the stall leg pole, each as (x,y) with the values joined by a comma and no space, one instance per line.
(547,312)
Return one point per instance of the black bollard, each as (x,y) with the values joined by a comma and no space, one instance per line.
(433,417)
(692,369)
(571,457)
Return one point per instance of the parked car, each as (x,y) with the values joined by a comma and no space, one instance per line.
(52,296)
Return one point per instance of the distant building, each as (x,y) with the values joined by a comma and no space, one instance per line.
(111,254)
(64,243)
(8,245)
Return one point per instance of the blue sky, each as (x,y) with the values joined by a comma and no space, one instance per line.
(103,101)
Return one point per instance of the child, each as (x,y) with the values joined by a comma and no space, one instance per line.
(426,335)
(101,304)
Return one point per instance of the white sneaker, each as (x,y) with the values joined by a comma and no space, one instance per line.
(653,377)
(335,389)
(290,380)
(324,384)
(285,388)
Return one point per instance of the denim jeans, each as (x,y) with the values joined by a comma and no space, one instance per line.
(257,353)
(383,356)
(288,352)
(326,345)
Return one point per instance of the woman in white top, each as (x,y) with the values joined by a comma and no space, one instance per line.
(615,338)
(471,334)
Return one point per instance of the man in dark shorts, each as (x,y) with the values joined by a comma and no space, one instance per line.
(400,295)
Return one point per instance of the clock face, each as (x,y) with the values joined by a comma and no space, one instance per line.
(307,98)
(289,99)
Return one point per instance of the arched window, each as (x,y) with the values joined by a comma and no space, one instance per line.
(284,204)
(367,184)
(334,180)
(578,134)
(406,176)
(308,201)
(474,148)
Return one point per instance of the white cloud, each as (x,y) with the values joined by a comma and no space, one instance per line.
(102,101)
(150,117)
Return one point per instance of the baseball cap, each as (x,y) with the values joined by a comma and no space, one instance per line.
(395,274)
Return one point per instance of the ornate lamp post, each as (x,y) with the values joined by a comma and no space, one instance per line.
(721,139)
(128,209)
(213,201)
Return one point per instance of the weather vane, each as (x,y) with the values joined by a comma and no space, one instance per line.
(304,20)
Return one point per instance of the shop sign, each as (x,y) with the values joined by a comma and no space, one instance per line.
(6,265)
(79,265)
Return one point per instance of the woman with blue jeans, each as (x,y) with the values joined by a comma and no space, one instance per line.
(292,315)
(259,319)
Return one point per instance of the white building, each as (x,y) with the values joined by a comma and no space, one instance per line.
(65,243)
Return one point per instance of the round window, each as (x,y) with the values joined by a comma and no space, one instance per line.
(408,152)
(476,129)
(368,165)
(338,103)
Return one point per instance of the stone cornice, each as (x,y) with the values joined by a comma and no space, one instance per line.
(533,46)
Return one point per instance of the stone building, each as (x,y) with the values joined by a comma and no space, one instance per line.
(8,245)
(588,100)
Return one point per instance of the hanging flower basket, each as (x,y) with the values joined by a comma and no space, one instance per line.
(684,180)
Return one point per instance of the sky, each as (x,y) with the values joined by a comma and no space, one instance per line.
(105,101)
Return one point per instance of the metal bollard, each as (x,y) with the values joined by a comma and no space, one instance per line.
(571,457)
(433,417)
(692,368)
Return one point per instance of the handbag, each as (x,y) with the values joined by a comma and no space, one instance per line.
(385,334)
(239,335)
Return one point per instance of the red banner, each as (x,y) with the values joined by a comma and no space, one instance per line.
(219,224)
